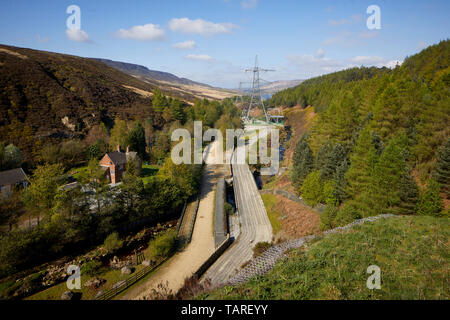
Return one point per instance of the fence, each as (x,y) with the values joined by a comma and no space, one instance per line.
(181,217)
(202,269)
(220,217)
(125,284)
(194,216)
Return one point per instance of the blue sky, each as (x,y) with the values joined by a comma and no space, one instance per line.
(214,41)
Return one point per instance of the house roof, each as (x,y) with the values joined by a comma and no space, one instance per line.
(11,177)
(118,157)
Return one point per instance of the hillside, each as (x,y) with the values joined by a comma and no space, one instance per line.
(411,252)
(141,71)
(276,86)
(378,142)
(46,95)
(170,82)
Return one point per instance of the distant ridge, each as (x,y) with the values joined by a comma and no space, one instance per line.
(142,71)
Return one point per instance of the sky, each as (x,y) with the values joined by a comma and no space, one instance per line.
(214,41)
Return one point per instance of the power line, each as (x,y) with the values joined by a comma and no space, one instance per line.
(256,99)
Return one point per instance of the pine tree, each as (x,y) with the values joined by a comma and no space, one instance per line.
(303,162)
(136,140)
(442,172)
(312,189)
(387,176)
(177,111)
(159,101)
(340,183)
(329,158)
(430,202)
(362,163)
(409,195)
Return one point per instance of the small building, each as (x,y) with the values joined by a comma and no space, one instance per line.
(10,179)
(115,164)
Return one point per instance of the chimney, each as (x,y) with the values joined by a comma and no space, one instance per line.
(128,149)
(118,147)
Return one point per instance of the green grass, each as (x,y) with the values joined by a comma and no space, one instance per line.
(148,171)
(55,292)
(269,202)
(411,251)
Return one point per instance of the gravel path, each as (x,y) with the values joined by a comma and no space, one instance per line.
(183,264)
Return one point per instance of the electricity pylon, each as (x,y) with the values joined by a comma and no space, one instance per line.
(256,97)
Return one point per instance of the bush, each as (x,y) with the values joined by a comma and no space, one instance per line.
(347,214)
(113,242)
(327,217)
(163,246)
(91,268)
(228,208)
(312,189)
(260,247)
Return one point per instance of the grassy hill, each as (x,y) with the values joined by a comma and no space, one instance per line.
(412,253)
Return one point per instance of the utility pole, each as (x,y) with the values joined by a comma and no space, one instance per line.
(256,99)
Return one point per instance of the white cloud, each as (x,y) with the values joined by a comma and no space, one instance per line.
(248,4)
(199,57)
(147,32)
(200,26)
(375,61)
(312,66)
(189,45)
(366,60)
(393,63)
(78,35)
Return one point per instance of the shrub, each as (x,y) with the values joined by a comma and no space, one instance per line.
(113,242)
(347,214)
(91,268)
(163,245)
(327,218)
(228,208)
(260,247)
(312,189)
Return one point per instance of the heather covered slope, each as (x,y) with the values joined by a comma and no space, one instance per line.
(47,95)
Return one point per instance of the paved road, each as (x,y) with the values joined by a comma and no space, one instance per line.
(255,227)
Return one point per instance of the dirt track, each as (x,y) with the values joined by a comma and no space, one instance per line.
(186,262)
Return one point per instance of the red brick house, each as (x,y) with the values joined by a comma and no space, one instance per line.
(115,164)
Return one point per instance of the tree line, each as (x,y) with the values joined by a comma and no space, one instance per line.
(380,142)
